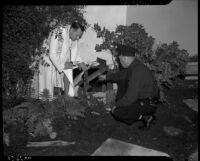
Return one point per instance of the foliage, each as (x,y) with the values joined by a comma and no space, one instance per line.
(133,35)
(38,115)
(167,61)
(170,62)
(24,29)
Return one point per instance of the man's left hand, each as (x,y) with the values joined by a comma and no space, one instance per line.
(82,66)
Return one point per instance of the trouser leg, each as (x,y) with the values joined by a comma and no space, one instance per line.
(128,114)
(148,109)
(66,85)
(131,114)
(76,72)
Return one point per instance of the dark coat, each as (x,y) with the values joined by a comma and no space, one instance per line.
(135,82)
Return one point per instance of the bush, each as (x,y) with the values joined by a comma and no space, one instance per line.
(37,116)
(169,62)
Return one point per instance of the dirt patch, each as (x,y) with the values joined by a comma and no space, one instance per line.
(90,132)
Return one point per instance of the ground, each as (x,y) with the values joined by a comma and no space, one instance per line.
(90,132)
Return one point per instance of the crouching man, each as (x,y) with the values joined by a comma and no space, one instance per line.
(137,89)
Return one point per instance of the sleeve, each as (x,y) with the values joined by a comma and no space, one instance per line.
(54,57)
(116,76)
(132,92)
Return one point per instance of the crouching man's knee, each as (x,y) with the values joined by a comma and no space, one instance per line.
(118,114)
(125,114)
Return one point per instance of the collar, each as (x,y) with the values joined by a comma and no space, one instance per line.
(135,63)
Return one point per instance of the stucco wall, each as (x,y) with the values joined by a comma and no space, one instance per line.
(176,21)
(106,16)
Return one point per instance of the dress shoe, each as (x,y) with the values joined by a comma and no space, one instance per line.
(147,121)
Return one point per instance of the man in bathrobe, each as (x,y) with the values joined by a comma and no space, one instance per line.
(56,68)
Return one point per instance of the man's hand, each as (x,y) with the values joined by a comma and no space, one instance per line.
(102,77)
(114,107)
(68,65)
(114,51)
(82,66)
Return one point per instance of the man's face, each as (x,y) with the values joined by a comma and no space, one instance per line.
(75,34)
(126,60)
(123,61)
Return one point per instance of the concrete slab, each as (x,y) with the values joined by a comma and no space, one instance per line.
(113,147)
(193,156)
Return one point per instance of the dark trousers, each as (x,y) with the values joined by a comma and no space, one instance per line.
(76,71)
(130,114)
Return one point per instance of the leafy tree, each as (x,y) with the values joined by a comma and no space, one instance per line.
(133,35)
(24,29)
(170,62)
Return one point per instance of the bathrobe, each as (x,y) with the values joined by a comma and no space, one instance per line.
(59,48)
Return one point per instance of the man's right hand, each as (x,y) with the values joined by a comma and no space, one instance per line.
(102,77)
(68,65)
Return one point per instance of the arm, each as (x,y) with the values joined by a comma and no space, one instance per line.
(132,92)
(116,76)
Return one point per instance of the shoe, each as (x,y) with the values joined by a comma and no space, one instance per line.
(147,121)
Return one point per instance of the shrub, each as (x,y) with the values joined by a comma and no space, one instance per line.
(38,115)
(170,62)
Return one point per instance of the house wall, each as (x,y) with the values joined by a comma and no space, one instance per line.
(106,16)
(176,21)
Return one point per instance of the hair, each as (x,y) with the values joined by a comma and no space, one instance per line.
(76,25)
(126,50)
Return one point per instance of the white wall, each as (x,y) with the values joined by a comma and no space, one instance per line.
(106,16)
(176,21)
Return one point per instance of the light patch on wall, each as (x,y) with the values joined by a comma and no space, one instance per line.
(108,16)
(176,21)
(105,16)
